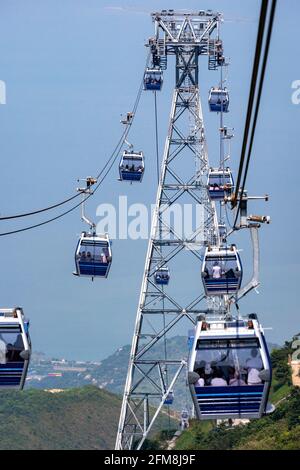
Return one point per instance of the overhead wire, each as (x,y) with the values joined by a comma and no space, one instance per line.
(109,164)
(261,84)
(249,144)
(259,43)
(39,211)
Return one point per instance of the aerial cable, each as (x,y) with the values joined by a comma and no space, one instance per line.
(264,66)
(259,43)
(31,227)
(39,211)
(258,100)
(109,164)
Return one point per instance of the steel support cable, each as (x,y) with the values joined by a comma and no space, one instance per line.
(259,43)
(111,160)
(260,89)
(39,211)
(54,206)
(31,227)
(71,198)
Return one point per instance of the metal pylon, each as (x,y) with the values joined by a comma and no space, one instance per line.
(183,178)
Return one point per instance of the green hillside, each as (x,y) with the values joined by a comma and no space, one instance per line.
(76,419)
(80,418)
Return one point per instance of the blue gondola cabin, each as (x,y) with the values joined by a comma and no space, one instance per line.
(153,80)
(221,271)
(218,100)
(220,183)
(230,370)
(15,348)
(93,256)
(162,276)
(170,399)
(132,166)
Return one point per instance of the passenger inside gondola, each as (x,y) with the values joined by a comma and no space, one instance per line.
(153,79)
(221,269)
(132,168)
(218,379)
(235,365)
(220,182)
(162,277)
(216,271)
(98,255)
(254,366)
(236,379)
(11,346)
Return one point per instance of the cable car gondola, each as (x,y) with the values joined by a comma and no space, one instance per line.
(15,348)
(132,166)
(93,255)
(219,100)
(162,276)
(170,398)
(153,79)
(230,370)
(220,183)
(222,271)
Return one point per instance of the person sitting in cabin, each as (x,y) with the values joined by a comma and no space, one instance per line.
(254,361)
(205,272)
(218,379)
(201,381)
(236,380)
(127,167)
(216,271)
(10,353)
(254,365)
(237,272)
(103,257)
(230,274)
(140,169)
(82,256)
(253,377)
(208,374)
(108,257)
(132,168)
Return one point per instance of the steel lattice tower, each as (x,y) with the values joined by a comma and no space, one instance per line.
(150,376)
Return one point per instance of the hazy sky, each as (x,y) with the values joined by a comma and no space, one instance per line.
(71,67)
